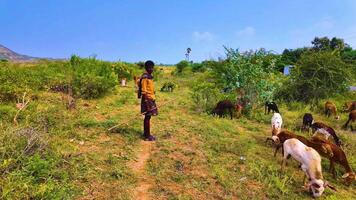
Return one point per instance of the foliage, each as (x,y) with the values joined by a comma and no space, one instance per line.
(198,67)
(91,78)
(291,56)
(168,86)
(316,76)
(250,72)
(181,66)
(325,44)
(125,70)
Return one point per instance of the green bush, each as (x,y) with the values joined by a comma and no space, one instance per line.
(316,76)
(199,67)
(252,73)
(91,78)
(181,66)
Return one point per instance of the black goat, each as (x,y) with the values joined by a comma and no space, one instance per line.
(271,106)
(307,121)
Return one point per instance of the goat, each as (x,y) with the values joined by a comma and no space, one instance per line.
(352,118)
(350,106)
(330,108)
(323,147)
(326,131)
(307,121)
(271,106)
(310,163)
(285,135)
(276,123)
(337,156)
(223,106)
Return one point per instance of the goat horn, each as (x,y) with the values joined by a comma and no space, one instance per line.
(327,184)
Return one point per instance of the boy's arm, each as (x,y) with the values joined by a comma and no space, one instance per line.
(144,92)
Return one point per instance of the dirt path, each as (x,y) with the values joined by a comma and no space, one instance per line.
(138,167)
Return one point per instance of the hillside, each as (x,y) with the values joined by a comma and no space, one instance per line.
(196,156)
(10,55)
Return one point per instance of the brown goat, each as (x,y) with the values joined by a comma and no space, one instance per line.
(322,146)
(330,108)
(338,156)
(350,106)
(285,135)
(352,118)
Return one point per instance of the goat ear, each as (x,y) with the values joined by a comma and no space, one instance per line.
(327,184)
(346,175)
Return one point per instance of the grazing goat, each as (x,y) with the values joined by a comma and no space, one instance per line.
(285,135)
(352,118)
(271,106)
(310,163)
(330,108)
(307,121)
(223,106)
(337,156)
(350,106)
(276,123)
(326,131)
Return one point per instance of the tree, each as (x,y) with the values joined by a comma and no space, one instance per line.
(320,44)
(188,53)
(181,66)
(248,72)
(316,76)
(325,44)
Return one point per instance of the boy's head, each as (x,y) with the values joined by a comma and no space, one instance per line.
(149,66)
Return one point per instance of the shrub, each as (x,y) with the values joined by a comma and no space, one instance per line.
(316,76)
(181,66)
(251,73)
(91,78)
(199,67)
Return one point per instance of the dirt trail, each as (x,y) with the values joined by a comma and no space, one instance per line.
(138,167)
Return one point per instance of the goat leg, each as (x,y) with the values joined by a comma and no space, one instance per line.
(332,168)
(277,148)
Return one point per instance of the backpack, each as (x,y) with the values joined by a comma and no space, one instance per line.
(139,88)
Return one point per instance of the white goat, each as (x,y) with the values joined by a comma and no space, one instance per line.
(276,123)
(311,164)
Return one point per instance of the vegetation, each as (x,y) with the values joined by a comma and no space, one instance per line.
(55,153)
(317,76)
(181,66)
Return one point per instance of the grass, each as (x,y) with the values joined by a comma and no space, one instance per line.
(196,156)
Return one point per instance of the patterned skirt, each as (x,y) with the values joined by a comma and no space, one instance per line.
(148,107)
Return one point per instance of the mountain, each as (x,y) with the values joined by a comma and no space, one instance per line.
(10,55)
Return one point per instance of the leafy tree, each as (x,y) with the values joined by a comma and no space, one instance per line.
(249,72)
(291,56)
(325,44)
(316,76)
(181,66)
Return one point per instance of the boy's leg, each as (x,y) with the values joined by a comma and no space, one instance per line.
(146,126)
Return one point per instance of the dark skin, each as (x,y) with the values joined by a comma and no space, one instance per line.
(146,121)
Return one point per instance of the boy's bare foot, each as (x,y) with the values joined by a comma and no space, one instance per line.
(150,138)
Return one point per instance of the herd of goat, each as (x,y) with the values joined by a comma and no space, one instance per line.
(307,151)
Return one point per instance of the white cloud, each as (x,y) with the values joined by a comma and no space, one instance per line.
(203,36)
(247,31)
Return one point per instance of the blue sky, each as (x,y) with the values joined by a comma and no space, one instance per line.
(161,30)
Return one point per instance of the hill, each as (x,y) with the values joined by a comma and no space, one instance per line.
(7,54)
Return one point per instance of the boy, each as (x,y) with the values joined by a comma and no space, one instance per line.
(148,104)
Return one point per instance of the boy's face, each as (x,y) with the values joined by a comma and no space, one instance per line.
(149,70)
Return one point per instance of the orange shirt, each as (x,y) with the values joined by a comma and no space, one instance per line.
(147,86)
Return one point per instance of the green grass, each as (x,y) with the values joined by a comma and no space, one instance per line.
(196,156)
